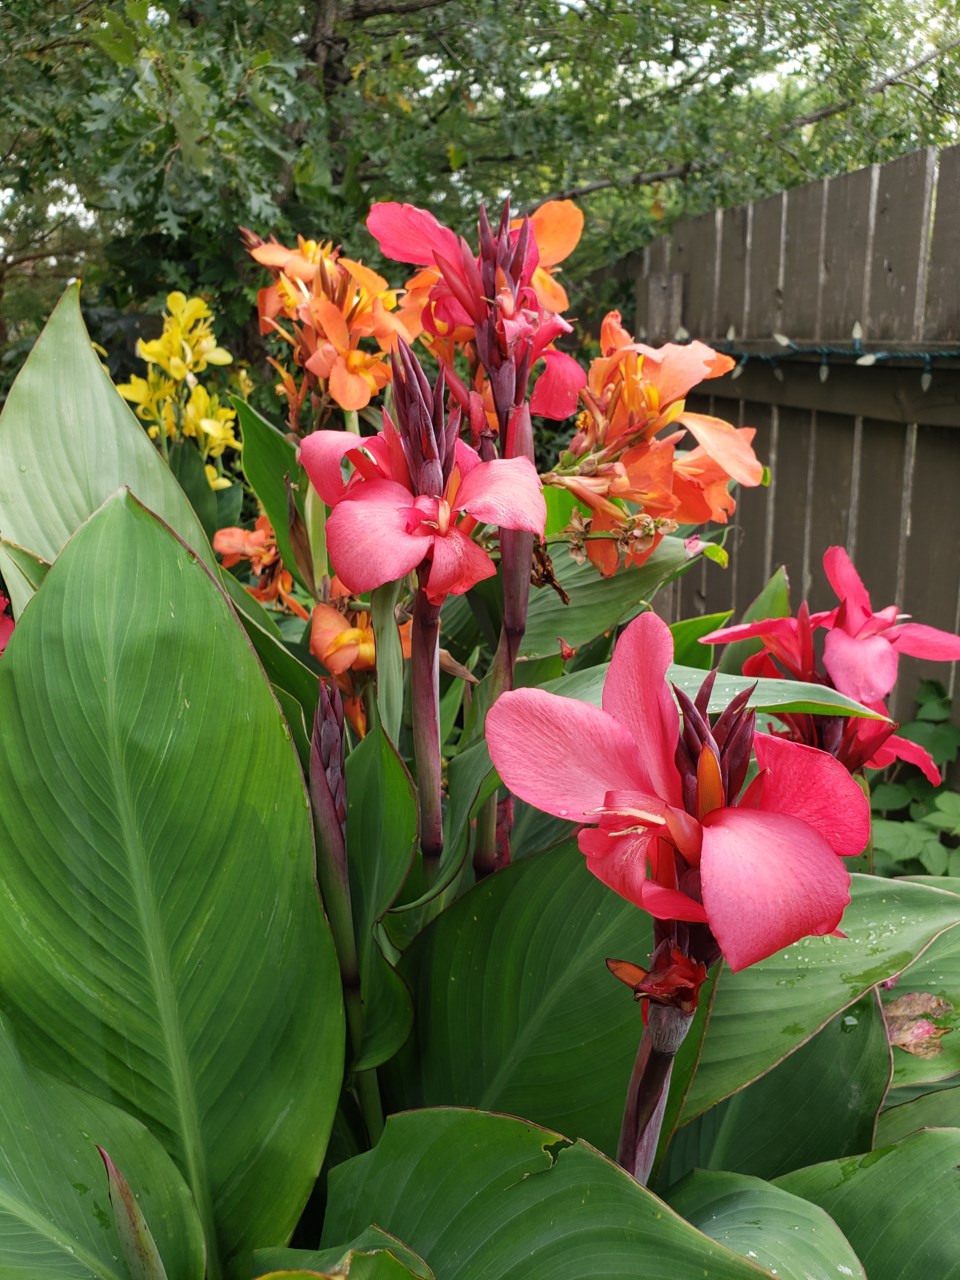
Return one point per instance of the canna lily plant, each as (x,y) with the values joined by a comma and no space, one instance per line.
(309,959)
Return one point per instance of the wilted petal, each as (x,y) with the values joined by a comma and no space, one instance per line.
(557,388)
(410,234)
(505,492)
(321,455)
(726,446)
(635,693)
(458,564)
(921,641)
(811,785)
(864,667)
(560,755)
(768,880)
(367,536)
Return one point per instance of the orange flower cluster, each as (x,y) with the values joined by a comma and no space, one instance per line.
(324,306)
(259,546)
(618,456)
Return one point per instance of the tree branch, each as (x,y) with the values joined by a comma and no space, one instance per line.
(798,122)
(362,9)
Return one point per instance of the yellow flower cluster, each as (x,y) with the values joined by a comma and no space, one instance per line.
(170,400)
(187,344)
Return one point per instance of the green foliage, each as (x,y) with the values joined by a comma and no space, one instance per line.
(138,137)
(916,826)
(169,987)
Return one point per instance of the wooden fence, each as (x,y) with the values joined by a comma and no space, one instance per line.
(867,456)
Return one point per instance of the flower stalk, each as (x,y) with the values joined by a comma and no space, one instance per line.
(425,689)
(649,1089)
(328,795)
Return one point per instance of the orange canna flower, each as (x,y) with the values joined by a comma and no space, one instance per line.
(324,306)
(557,227)
(259,546)
(620,455)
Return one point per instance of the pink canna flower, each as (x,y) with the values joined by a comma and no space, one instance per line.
(6,622)
(414,499)
(665,822)
(862,648)
(495,299)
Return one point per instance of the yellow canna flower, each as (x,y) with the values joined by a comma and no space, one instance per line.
(214,479)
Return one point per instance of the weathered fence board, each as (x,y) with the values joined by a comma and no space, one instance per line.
(868,458)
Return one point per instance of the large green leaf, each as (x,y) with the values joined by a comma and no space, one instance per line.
(68,441)
(486,1197)
(898,1206)
(819,1103)
(767,695)
(515,1008)
(381,843)
(161,939)
(794,1239)
(763,1013)
(55,1214)
(596,604)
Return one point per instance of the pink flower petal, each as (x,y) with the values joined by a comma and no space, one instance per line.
(635,693)
(560,755)
(768,880)
(864,668)
(465,457)
(813,786)
(621,864)
(505,492)
(921,641)
(722,442)
(557,388)
(847,583)
(321,455)
(896,748)
(367,536)
(458,564)
(410,234)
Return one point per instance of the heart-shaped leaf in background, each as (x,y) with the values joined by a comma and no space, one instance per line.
(162,943)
